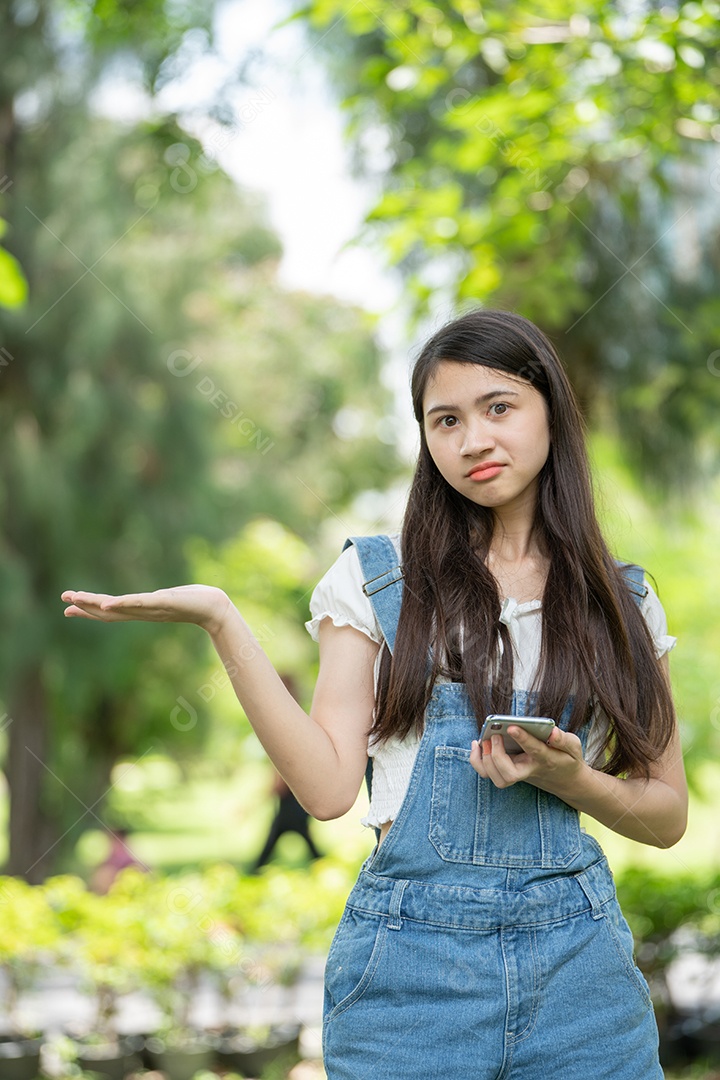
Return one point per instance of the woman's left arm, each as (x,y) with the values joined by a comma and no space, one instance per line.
(651,811)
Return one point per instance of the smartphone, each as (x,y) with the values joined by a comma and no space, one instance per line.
(539,726)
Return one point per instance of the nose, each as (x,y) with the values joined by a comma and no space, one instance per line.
(475,438)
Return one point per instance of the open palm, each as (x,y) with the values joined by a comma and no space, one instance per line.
(204,605)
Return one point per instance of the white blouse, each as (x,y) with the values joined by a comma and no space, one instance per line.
(339,596)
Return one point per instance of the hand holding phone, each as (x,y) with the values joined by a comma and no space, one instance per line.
(541,727)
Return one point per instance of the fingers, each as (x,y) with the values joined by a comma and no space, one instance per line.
(164,605)
(502,768)
(74,612)
(538,763)
(82,604)
(87,605)
(491,761)
(565,741)
(529,743)
(118,603)
(72,596)
(479,751)
(476,757)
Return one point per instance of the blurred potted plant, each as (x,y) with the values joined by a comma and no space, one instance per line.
(255,1047)
(108,950)
(184,943)
(29,936)
(273,910)
(669,918)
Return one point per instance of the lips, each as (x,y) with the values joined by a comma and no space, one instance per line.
(486,470)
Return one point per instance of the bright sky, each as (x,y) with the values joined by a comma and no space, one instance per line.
(287,142)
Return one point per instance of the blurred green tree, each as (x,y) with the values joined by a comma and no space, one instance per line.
(560,159)
(137,249)
(76,363)
(304,422)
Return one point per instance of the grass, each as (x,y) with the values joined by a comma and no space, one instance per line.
(179,823)
(698,1071)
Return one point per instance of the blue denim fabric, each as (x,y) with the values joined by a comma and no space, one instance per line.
(483,939)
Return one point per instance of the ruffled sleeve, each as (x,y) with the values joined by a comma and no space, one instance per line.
(339,596)
(656,620)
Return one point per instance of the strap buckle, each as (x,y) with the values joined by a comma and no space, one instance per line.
(377,584)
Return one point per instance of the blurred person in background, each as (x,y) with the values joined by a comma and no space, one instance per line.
(290,816)
(118,858)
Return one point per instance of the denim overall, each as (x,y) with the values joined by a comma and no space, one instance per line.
(483,939)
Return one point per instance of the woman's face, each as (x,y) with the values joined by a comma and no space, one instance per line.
(488,434)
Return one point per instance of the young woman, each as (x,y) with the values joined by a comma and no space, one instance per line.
(483,938)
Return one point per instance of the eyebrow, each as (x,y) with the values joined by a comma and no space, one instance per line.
(478,401)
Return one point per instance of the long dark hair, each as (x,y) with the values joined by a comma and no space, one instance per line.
(596,647)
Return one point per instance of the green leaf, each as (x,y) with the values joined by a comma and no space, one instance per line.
(13,286)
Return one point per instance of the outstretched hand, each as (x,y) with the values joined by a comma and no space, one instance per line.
(203,605)
(550,766)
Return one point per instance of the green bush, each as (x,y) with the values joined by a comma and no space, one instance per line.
(163,934)
(669,916)
(29,937)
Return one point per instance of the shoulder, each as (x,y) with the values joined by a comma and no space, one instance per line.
(650,607)
(339,594)
(381,547)
(656,619)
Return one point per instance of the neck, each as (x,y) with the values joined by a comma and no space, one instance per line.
(513,539)
(516,560)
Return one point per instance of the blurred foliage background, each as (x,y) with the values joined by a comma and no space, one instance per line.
(562,161)
(170,412)
(159,389)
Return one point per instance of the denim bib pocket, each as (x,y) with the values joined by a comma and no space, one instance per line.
(353,959)
(472,821)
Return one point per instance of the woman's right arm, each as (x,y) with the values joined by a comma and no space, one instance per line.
(322,755)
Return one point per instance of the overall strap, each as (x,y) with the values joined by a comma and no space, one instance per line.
(634,579)
(383,580)
(383,587)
